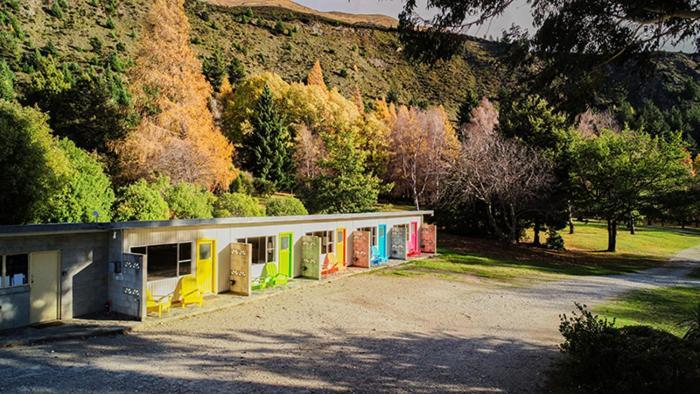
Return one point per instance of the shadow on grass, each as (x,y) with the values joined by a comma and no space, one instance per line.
(262,361)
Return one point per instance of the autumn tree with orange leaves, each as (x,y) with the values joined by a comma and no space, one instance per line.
(177,136)
(423,148)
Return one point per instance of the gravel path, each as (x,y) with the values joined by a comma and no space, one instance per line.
(366,333)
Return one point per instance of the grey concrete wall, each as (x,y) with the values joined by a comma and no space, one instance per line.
(83,276)
(14,307)
(127,285)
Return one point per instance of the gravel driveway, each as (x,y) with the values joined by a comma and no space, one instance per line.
(366,333)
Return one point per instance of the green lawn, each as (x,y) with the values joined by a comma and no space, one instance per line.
(650,242)
(661,308)
(464,258)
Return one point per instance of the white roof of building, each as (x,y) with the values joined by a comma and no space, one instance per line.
(52,228)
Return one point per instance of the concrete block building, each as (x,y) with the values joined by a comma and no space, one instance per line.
(62,271)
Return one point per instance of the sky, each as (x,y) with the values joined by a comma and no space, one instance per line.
(518,14)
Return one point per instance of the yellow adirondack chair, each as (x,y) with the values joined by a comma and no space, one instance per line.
(159,305)
(187,292)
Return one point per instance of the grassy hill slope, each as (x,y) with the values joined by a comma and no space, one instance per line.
(351,54)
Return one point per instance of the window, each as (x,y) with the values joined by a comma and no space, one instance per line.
(167,260)
(327,240)
(263,248)
(373,234)
(15,270)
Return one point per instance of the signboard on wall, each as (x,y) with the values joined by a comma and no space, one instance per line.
(428,238)
(398,242)
(240,265)
(311,257)
(360,249)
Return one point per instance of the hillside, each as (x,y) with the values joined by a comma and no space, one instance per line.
(354,50)
(351,54)
(374,19)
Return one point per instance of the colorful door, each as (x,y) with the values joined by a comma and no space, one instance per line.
(240,264)
(43,286)
(206,265)
(360,249)
(381,242)
(398,242)
(340,250)
(311,257)
(286,262)
(428,238)
(413,240)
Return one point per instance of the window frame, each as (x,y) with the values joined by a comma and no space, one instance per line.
(373,234)
(328,240)
(178,259)
(3,272)
(266,248)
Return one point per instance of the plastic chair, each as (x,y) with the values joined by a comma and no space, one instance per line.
(272,276)
(158,305)
(187,292)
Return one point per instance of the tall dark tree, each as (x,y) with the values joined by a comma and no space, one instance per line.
(267,149)
(471,101)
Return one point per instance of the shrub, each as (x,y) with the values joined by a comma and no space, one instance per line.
(243,183)
(692,323)
(7,79)
(285,206)
(237,204)
(187,201)
(263,187)
(141,201)
(554,240)
(633,359)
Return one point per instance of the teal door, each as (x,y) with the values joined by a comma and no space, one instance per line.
(381,242)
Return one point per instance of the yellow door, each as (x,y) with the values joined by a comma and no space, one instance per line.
(206,265)
(43,286)
(340,246)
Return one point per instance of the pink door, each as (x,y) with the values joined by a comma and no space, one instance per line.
(413,240)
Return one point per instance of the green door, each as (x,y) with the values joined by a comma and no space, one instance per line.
(311,257)
(286,255)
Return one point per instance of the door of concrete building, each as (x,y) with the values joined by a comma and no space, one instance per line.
(206,265)
(340,250)
(360,248)
(240,263)
(286,255)
(44,286)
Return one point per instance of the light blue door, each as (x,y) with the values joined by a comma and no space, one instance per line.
(381,243)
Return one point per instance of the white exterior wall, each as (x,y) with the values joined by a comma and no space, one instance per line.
(225,234)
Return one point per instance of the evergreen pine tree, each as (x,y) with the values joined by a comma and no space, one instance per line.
(267,149)
(465,109)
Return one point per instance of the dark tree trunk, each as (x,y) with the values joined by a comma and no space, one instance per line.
(649,221)
(571,220)
(536,241)
(632,228)
(612,235)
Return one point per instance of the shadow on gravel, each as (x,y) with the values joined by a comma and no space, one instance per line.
(297,361)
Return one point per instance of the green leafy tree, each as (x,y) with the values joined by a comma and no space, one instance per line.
(141,201)
(237,204)
(31,162)
(616,174)
(85,189)
(533,121)
(91,111)
(285,206)
(7,82)
(344,185)
(267,150)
